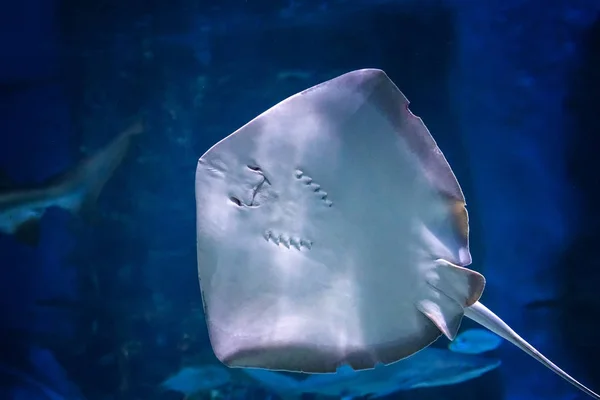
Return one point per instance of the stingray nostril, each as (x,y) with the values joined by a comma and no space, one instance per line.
(235,201)
(258,170)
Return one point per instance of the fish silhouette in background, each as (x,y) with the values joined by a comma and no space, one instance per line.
(204,375)
(35,374)
(197,379)
(430,367)
(475,341)
(21,208)
(332,231)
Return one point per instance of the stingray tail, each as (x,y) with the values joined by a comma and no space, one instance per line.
(485,317)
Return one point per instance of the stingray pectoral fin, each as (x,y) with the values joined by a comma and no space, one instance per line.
(449,288)
(461,284)
(485,317)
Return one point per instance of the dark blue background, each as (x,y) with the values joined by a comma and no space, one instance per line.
(509,89)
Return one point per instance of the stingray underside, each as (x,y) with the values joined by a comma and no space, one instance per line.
(331,230)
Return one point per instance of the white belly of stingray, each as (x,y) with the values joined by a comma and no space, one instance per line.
(313,237)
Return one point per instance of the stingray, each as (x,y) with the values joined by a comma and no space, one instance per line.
(332,231)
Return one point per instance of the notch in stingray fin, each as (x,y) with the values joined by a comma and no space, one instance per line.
(29,232)
(485,317)
(461,218)
(460,224)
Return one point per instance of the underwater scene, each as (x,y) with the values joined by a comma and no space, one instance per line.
(299,199)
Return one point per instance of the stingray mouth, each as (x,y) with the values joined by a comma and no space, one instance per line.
(257,190)
(281,239)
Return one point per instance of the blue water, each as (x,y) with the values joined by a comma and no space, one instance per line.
(111,304)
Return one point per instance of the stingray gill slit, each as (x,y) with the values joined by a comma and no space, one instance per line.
(312,185)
